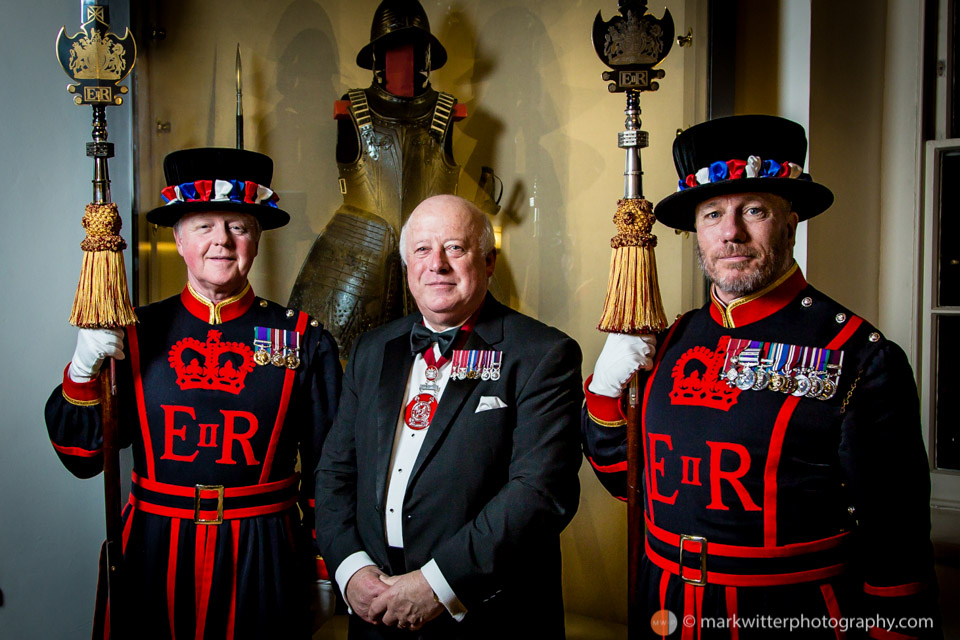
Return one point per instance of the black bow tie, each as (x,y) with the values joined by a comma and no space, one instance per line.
(422,338)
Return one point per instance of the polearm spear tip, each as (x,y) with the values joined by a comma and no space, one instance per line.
(239,100)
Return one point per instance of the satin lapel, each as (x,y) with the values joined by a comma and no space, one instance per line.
(457,391)
(397,362)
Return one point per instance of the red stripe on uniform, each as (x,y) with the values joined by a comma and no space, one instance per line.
(236,309)
(141,404)
(664,582)
(896,590)
(833,608)
(844,335)
(602,409)
(284,403)
(688,612)
(228,492)
(199,545)
(172,573)
(756,580)
(731,598)
(770,471)
(76,451)
(737,551)
(698,592)
(126,526)
(608,468)
(232,613)
(228,514)
(643,409)
(776,445)
(81,391)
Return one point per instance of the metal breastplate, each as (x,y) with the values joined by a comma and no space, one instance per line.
(401,160)
(352,279)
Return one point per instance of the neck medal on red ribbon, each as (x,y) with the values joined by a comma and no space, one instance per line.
(476,364)
(420,410)
(752,365)
(276,346)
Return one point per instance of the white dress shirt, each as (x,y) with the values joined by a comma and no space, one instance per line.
(406,448)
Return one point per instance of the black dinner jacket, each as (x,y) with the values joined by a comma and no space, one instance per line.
(489,493)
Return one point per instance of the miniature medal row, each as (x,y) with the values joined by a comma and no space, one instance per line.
(811,372)
(476,364)
(278,347)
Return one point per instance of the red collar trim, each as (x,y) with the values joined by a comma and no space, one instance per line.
(760,304)
(220,312)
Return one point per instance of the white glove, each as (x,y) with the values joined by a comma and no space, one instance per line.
(93,345)
(621,356)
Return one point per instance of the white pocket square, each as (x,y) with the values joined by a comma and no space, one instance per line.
(490,402)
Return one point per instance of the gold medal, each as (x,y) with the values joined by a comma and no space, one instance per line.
(789,385)
(776,382)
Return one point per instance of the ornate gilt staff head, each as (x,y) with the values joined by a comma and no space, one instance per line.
(97,60)
(632,44)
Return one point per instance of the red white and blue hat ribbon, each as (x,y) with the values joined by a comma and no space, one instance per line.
(752,167)
(239,191)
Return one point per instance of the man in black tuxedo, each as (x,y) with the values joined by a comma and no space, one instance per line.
(452,466)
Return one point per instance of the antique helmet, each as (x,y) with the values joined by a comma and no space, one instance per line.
(397,22)
(741,154)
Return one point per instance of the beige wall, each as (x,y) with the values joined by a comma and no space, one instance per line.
(846,120)
(863,131)
(539,114)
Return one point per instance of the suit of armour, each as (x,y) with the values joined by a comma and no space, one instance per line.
(392,153)
(216,400)
(762,499)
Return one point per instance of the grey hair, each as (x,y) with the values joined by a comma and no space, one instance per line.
(486,238)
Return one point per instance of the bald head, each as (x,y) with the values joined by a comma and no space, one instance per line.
(447,245)
(449,204)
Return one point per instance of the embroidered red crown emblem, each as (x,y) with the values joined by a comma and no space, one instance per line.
(221,366)
(701,385)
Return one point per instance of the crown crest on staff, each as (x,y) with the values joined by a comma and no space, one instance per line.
(96,59)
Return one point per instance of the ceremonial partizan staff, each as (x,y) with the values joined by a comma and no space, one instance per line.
(632,44)
(97,60)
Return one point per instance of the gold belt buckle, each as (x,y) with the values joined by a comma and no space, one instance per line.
(196,504)
(703,559)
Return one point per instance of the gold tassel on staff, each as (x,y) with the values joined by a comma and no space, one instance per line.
(102,300)
(633,303)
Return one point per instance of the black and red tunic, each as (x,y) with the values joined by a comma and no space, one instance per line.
(207,423)
(796,505)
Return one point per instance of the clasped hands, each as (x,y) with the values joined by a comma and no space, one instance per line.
(406,601)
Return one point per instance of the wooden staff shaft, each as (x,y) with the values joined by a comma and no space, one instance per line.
(111,487)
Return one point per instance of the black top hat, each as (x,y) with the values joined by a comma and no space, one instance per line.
(741,154)
(399,22)
(214,179)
